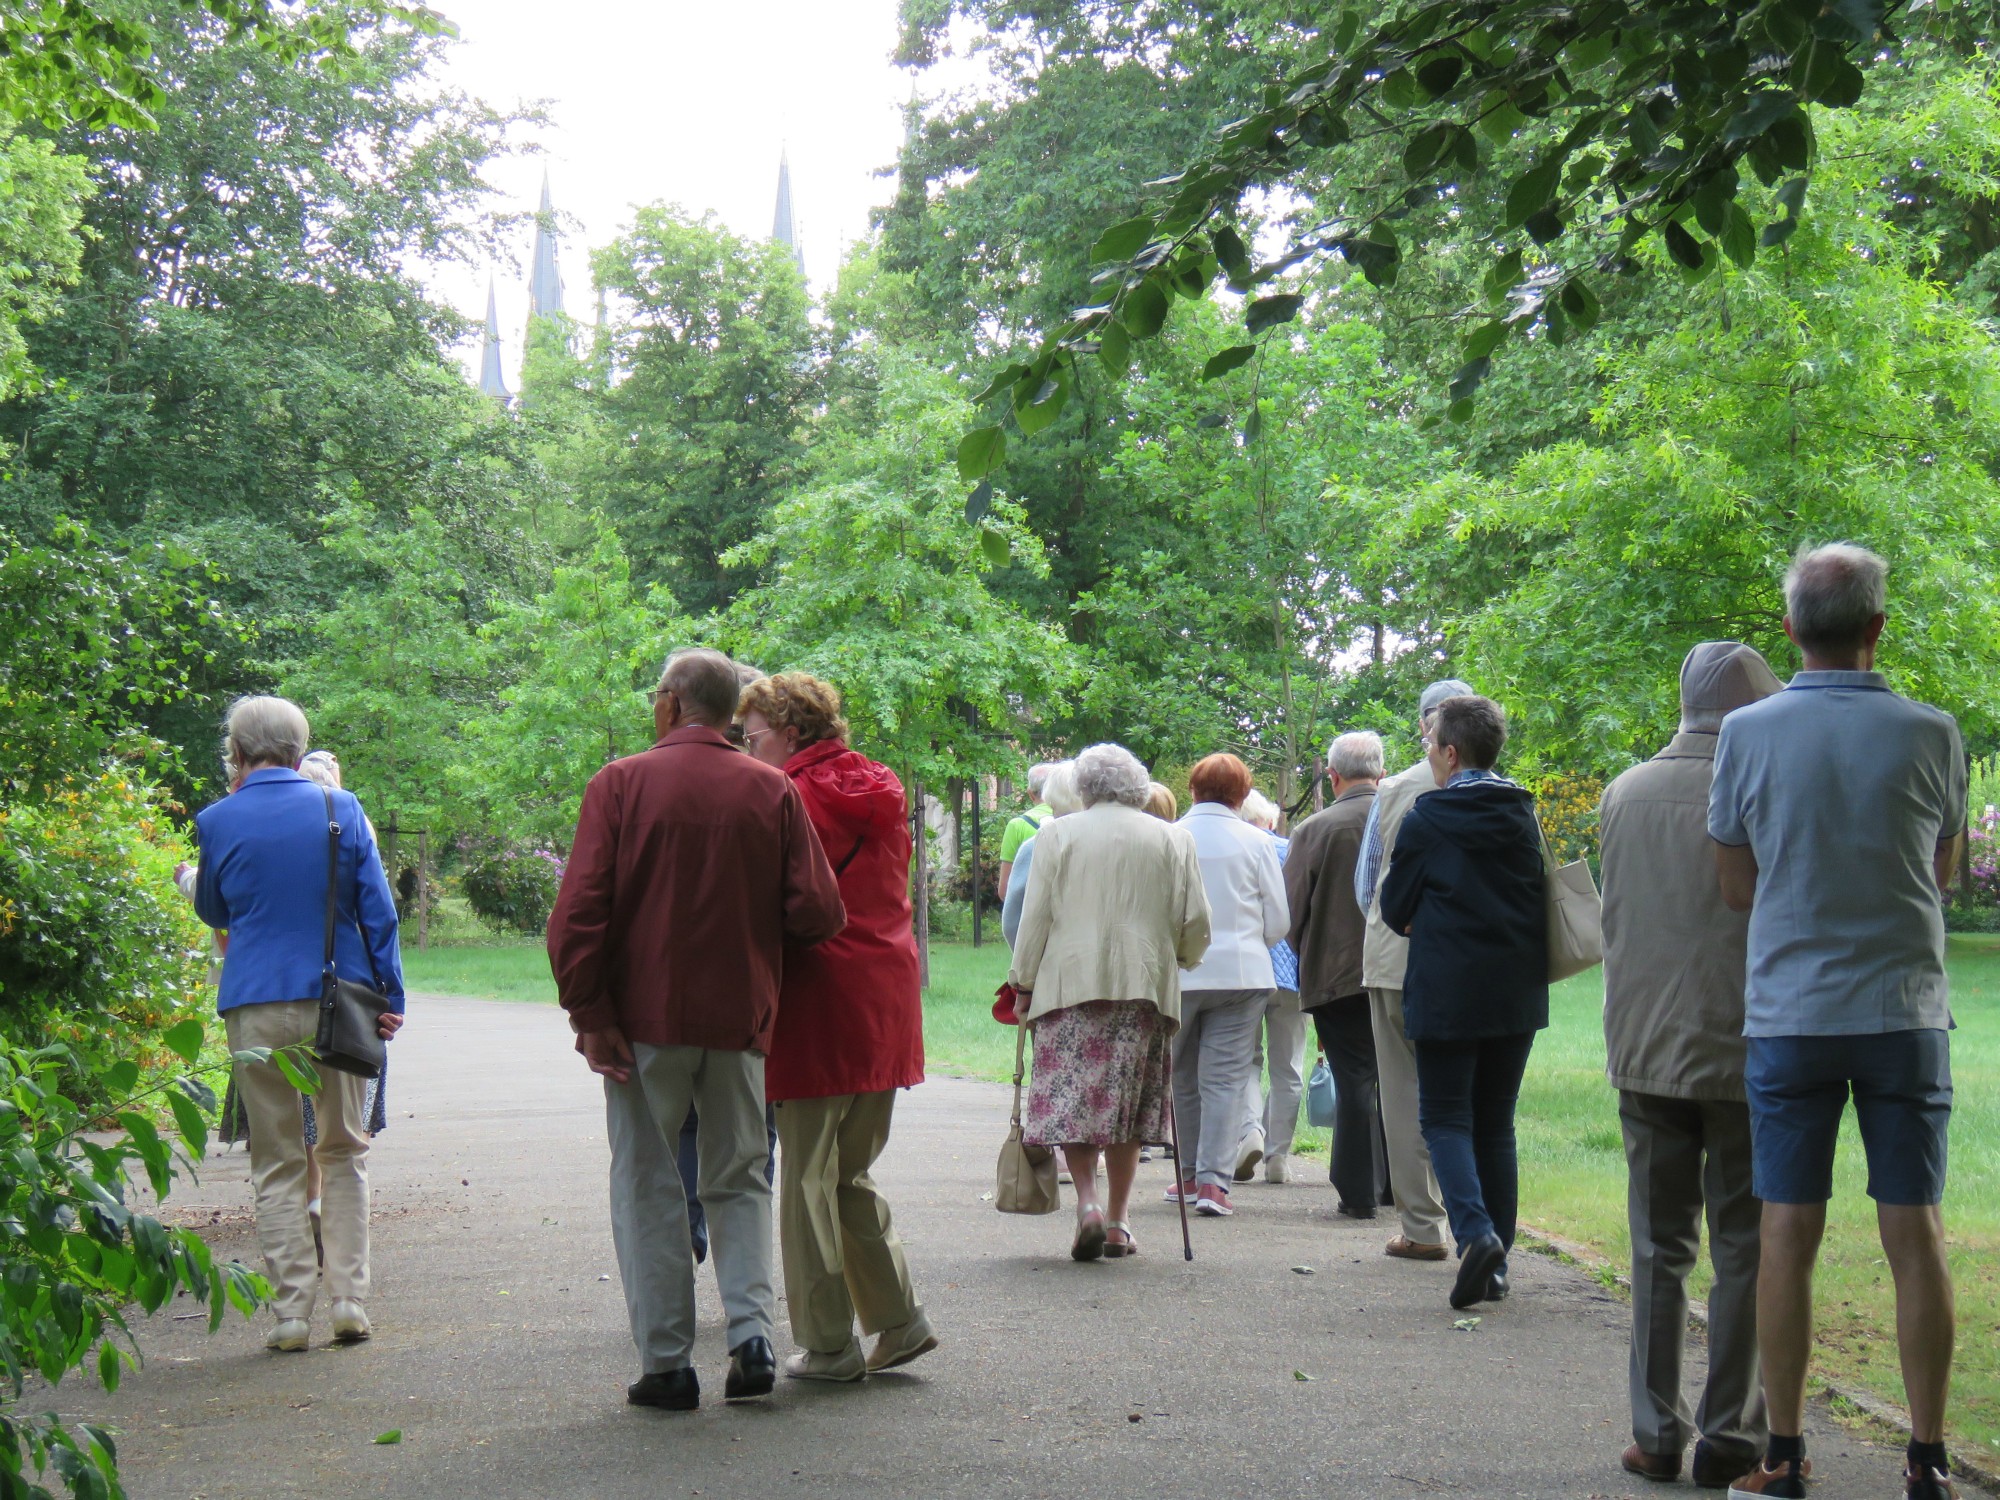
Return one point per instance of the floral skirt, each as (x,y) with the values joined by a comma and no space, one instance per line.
(1100,1075)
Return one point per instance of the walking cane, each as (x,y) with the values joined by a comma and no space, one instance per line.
(1180,1181)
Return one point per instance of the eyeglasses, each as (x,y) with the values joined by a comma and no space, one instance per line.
(751,734)
(654,696)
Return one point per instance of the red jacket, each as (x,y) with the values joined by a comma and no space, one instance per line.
(693,867)
(851,1015)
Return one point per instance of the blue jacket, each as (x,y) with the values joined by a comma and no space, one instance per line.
(263,877)
(1467,887)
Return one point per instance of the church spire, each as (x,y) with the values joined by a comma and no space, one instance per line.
(491,382)
(544,279)
(784,228)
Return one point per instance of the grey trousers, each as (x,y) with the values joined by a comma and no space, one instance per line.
(1685,1154)
(1213,1056)
(649,1215)
(1412,1183)
(1280,1044)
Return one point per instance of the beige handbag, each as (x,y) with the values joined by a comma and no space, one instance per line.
(1026,1180)
(1575,915)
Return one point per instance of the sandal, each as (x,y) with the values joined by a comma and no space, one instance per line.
(1089,1242)
(1115,1249)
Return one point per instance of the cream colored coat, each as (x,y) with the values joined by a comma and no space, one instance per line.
(1115,911)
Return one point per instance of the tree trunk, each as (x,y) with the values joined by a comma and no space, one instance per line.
(922,896)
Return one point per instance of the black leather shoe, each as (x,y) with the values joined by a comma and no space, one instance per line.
(1496,1286)
(753,1370)
(1481,1259)
(1348,1211)
(669,1390)
(1718,1468)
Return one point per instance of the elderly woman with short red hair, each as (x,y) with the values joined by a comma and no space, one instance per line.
(1223,998)
(850,1033)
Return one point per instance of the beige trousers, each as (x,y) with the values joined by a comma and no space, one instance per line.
(1411,1181)
(842,1256)
(278,1161)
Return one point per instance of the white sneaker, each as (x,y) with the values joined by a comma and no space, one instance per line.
(289,1337)
(810,1364)
(1248,1155)
(350,1322)
(1274,1170)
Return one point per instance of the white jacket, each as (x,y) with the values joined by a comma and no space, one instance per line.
(1248,913)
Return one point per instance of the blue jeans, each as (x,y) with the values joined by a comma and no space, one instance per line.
(1466,1093)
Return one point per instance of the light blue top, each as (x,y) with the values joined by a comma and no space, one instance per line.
(1843,790)
(1284,962)
(263,878)
(1017,892)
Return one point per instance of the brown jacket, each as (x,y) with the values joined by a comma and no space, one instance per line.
(1327,925)
(693,866)
(1673,953)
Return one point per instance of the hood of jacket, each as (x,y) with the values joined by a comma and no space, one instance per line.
(848,793)
(1483,814)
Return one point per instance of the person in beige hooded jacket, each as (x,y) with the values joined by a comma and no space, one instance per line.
(1673,1033)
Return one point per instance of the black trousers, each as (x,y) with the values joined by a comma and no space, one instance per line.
(1360,1167)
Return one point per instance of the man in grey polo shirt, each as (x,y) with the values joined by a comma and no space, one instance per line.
(1838,810)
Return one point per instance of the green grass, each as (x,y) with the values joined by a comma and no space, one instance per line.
(1572,1155)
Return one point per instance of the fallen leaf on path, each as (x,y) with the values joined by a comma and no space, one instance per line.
(1301,1375)
(393,1435)
(1302,1270)
(1466,1325)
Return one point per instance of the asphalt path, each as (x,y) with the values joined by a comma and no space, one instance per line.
(1290,1358)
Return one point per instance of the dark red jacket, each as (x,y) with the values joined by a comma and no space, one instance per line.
(851,1015)
(693,867)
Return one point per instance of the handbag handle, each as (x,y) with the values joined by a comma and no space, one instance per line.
(332,872)
(1020,1067)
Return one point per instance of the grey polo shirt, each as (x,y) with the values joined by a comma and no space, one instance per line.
(1842,789)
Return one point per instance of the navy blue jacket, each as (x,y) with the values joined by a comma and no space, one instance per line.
(1467,886)
(263,878)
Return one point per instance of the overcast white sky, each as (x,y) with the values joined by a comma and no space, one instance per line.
(689,103)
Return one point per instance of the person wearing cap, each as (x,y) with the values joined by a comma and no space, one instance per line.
(1838,814)
(1024,826)
(1673,1034)
(1384,956)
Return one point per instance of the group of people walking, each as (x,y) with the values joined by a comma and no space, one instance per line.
(733,944)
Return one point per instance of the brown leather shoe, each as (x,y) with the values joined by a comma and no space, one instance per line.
(1405,1248)
(1665,1467)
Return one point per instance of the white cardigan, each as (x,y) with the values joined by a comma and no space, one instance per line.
(1248,912)
(1114,912)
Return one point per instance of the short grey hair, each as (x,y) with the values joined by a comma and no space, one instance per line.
(1259,811)
(1038,776)
(260,730)
(1059,789)
(1111,773)
(706,683)
(1832,592)
(323,767)
(1356,756)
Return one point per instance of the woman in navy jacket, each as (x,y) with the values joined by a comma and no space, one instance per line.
(1467,886)
(263,878)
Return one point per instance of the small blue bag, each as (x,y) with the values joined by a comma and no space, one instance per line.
(1319,1096)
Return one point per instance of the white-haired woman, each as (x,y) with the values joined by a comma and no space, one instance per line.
(1271,1117)
(1115,910)
(1059,795)
(263,854)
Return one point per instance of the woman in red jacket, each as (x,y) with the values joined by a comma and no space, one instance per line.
(850,1033)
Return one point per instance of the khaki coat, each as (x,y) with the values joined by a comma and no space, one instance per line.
(1385,954)
(1673,953)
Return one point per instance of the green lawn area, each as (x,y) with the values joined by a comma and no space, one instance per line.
(1572,1156)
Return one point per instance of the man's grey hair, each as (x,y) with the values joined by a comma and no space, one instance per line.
(706,683)
(1059,789)
(1259,811)
(323,767)
(1832,592)
(1111,773)
(747,674)
(1356,756)
(1038,776)
(263,731)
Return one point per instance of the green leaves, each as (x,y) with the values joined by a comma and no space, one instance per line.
(1123,241)
(1228,359)
(994,544)
(1145,310)
(1268,312)
(980,452)
(185,1039)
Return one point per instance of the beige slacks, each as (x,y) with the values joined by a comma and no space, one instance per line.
(1411,1181)
(278,1161)
(841,1253)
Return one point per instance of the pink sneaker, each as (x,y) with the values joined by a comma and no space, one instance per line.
(1213,1202)
(1180,1190)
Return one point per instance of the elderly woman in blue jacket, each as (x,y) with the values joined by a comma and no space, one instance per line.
(263,878)
(1468,888)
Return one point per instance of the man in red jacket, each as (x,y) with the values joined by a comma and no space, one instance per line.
(693,866)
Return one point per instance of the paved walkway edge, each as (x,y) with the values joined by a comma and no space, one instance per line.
(1967,1464)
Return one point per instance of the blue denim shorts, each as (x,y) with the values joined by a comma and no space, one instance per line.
(1798,1087)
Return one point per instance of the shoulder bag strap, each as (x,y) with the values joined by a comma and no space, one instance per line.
(1020,1067)
(841,868)
(332,872)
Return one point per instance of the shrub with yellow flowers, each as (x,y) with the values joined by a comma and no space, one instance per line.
(1567,806)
